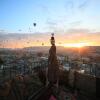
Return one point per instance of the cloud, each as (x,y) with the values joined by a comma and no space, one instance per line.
(83,4)
(69,4)
(51,23)
(70,36)
(75,5)
(1,30)
(75,23)
(13,40)
(43,7)
(78,30)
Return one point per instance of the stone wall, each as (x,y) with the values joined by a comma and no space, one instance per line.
(85,83)
(63,77)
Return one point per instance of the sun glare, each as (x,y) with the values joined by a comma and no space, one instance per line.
(78,45)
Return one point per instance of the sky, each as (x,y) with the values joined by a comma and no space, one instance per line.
(72,21)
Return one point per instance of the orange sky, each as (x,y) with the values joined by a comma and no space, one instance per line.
(65,39)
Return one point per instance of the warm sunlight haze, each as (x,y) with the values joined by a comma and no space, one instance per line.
(78,45)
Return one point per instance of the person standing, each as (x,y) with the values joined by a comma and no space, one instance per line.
(53,65)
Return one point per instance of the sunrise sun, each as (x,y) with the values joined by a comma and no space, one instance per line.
(78,45)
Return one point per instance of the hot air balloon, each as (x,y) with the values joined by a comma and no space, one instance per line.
(42,44)
(34,24)
(59,42)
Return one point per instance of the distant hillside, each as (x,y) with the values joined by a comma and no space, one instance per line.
(45,49)
(60,49)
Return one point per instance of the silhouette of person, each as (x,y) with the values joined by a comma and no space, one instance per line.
(53,66)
